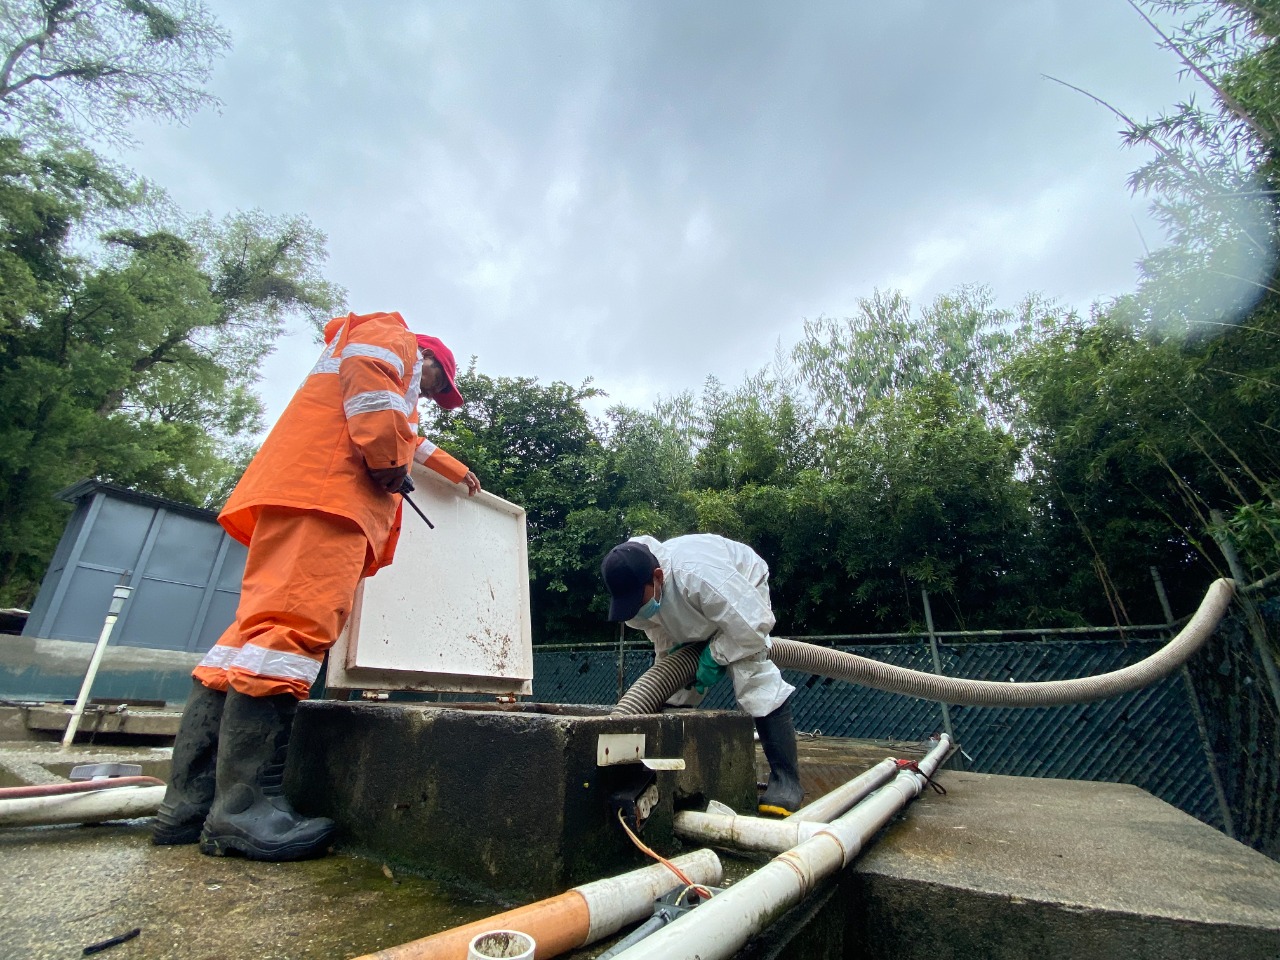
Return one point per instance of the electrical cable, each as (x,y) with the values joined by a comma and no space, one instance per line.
(696,887)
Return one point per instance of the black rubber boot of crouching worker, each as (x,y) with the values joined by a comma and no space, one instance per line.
(191,778)
(250,814)
(783,793)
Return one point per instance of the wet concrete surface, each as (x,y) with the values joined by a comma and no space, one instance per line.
(65,888)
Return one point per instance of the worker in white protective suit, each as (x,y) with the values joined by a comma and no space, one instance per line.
(704,587)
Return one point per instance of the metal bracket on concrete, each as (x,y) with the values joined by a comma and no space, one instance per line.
(675,763)
(616,748)
(104,771)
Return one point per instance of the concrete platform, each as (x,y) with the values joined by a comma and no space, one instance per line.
(999,868)
(1012,867)
(514,801)
(48,721)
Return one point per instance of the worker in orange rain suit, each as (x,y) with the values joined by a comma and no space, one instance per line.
(317,509)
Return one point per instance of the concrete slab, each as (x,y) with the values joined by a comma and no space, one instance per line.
(101,719)
(25,763)
(1005,867)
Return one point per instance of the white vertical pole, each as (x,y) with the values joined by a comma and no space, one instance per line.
(937,661)
(118,597)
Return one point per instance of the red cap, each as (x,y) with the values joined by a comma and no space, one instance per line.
(449,398)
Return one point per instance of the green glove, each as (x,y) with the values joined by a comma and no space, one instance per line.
(709,672)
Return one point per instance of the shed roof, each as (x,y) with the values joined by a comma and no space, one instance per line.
(88,487)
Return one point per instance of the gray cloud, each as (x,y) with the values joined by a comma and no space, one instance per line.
(650,192)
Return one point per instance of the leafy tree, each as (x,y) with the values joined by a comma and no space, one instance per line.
(71,68)
(1163,407)
(1212,171)
(922,492)
(1135,440)
(888,348)
(756,434)
(130,337)
(138,367)
(649,469)
(937,492)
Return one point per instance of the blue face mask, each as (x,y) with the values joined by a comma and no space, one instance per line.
(649,609)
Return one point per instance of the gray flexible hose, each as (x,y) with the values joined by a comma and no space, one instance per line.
(650,692)
(678,670)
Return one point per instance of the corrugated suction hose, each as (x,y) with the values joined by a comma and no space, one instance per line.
(677,671)
(650,692)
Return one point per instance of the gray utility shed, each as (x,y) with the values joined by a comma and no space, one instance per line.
(184,569)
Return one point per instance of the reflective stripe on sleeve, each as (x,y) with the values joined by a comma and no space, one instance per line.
(377,353)
(219,657)
(415,385)
(329,357)
(425,449)
(373,400)
(273,663)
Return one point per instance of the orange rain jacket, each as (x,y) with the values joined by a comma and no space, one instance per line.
(357,407)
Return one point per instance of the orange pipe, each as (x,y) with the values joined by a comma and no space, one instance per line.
(557,925)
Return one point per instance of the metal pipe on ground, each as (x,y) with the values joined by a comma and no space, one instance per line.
(719,928)
(573,919)
(95,806)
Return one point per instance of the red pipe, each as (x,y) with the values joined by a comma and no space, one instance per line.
(78,786)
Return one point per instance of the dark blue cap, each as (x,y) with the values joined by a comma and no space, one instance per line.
(627,569)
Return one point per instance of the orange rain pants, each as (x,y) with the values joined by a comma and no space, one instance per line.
(300,578)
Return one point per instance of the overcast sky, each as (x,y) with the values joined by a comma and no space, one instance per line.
(647,193)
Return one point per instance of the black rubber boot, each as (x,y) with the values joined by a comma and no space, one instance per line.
(250,814)
(195,753)
(777,732)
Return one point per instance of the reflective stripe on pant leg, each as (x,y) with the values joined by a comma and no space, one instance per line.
(212,668)
(300,578)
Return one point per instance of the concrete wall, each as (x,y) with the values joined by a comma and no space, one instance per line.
(32,668)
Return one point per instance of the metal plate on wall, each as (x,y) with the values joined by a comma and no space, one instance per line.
(451,613)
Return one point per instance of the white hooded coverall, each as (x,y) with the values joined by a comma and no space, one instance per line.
(719,589)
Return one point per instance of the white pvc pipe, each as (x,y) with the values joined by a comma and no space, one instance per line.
(829,806)
(499,944)
(720,927)
(615,902)
(118,597)
(734,832)
(761,835)
(121,803)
